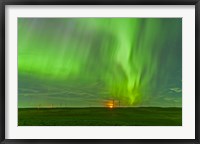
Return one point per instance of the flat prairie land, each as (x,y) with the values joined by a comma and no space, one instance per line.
(94,116)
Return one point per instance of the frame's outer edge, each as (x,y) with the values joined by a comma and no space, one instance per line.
(197,59)
(101,2)
(52,2)
(100,141)
(2,73)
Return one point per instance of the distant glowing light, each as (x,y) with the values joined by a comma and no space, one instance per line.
(111,106)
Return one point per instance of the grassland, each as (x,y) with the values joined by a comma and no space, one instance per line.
(142,116)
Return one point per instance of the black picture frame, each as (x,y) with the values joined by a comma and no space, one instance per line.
(3,4)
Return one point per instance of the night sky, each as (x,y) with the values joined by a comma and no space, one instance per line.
(87,62)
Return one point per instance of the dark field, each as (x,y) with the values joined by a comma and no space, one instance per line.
(148,116)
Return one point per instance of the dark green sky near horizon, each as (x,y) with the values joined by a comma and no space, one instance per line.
(80,62)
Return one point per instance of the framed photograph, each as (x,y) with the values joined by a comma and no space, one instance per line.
(100,71)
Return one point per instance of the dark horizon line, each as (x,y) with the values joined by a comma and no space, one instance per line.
(101,107)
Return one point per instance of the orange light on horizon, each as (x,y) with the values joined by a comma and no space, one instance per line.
(110,104)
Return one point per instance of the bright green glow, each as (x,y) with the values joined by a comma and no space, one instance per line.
(132,59)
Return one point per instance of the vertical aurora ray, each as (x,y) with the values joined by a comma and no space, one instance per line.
(89,60)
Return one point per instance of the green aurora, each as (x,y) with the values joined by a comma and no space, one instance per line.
(80,62)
